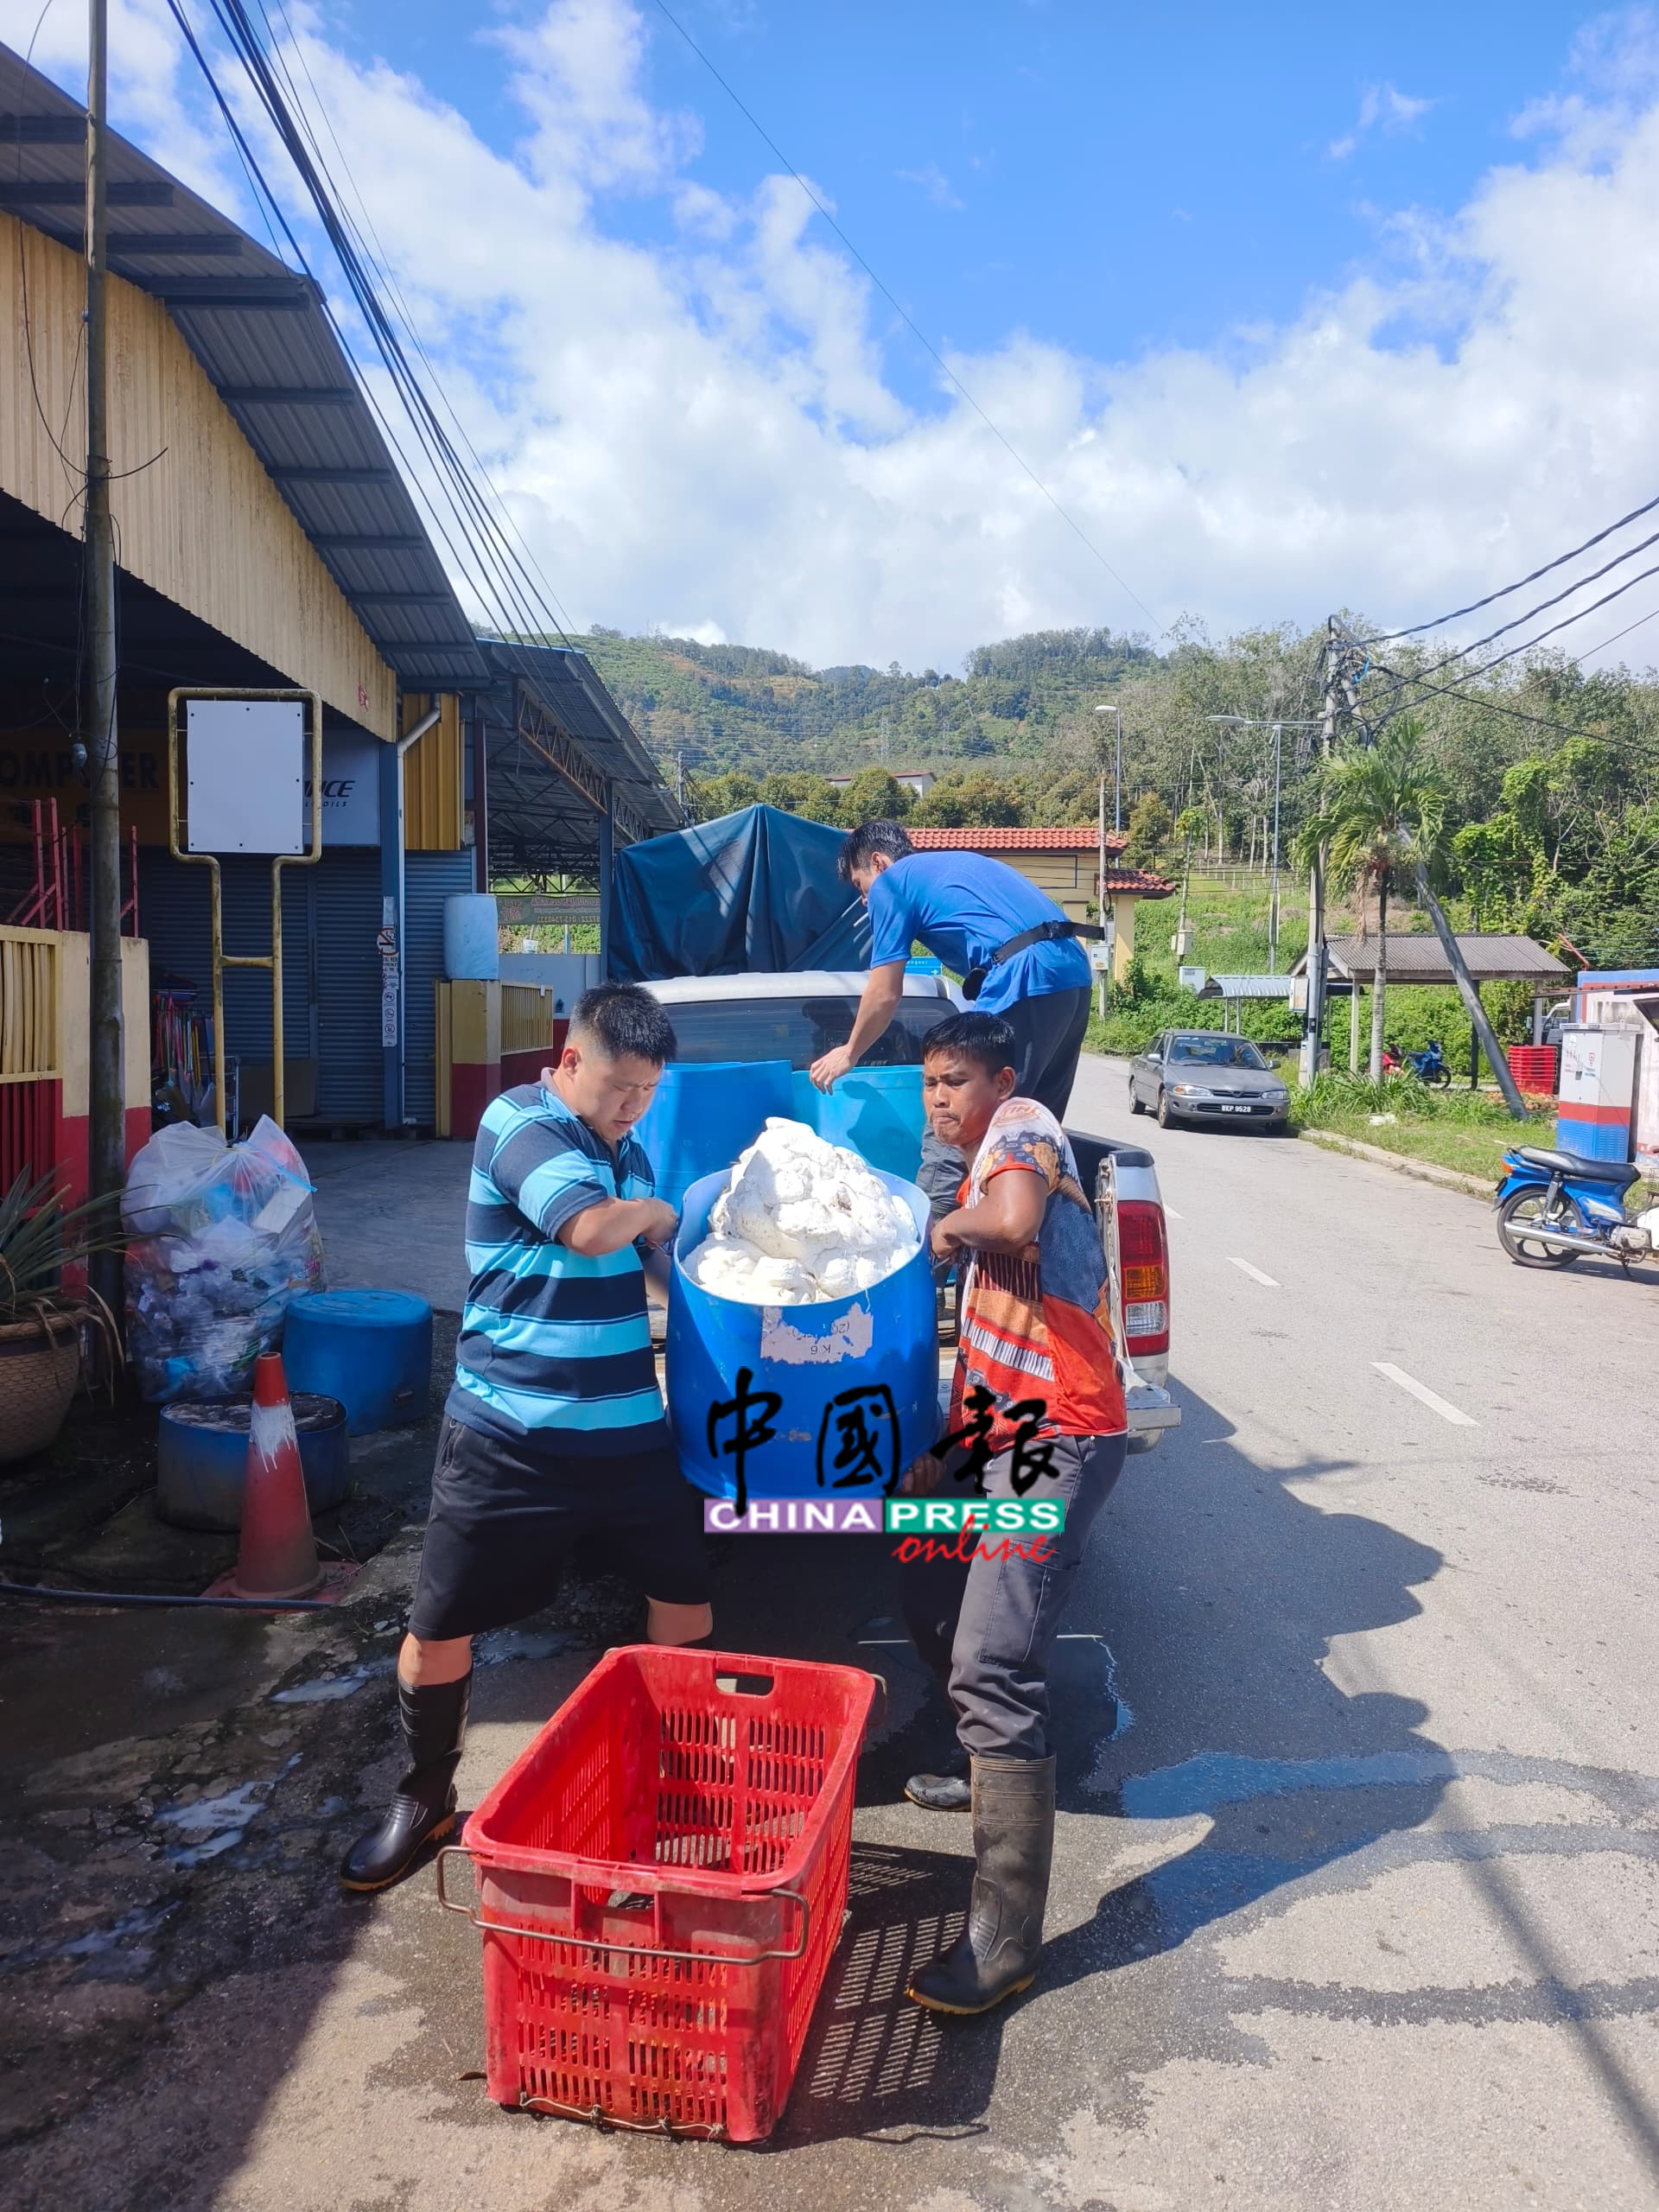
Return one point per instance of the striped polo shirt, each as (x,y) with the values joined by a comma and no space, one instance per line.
(553,1347)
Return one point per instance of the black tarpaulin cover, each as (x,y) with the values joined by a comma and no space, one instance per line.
(753,891)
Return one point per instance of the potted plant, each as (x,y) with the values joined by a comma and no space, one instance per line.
(41,1316)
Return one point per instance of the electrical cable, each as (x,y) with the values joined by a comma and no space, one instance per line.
(1488,706)
(1527,644)
(482,574)
(1440,621)
(382,262)
(910,323)
(1544,605)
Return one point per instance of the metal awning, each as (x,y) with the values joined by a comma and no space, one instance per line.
(556,747)
(260,332)
(1246,986)
(1417,958)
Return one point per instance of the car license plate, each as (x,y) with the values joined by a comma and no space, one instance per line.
(1234,1110)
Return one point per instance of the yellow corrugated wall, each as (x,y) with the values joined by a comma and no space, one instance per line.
(433,796)
(196,514)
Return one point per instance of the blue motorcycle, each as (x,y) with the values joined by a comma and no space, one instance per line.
(1554,1206)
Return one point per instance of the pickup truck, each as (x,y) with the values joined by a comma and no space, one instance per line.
(800,1016)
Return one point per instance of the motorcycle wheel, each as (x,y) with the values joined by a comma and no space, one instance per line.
(1529,1206)
(1442,1081)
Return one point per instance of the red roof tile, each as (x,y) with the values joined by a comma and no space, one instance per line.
(1075,837)
(1071,838)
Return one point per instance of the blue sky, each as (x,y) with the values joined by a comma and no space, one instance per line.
(1290,309)
(1116,179)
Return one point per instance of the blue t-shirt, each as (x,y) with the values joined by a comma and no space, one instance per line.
(962,905)
(553,1345)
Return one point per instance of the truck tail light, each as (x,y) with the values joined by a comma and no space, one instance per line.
(1143,1258)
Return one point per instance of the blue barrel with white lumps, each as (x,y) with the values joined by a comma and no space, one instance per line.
(830,1401)
(703,1113)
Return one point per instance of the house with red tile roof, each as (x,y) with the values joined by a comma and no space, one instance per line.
(1065,862)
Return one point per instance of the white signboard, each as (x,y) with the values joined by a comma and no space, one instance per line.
(351,790)
(1191,979)
(245,775)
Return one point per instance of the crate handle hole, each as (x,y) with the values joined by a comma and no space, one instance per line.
(745,1685)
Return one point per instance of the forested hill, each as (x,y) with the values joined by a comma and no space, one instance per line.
(742,707)
(1549,777)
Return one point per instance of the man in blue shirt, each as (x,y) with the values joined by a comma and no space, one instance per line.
(969,912)
(555,1429)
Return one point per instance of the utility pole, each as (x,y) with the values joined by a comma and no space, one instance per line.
(1100,882)
(107,1145)
(1273,904)
(1315,1030)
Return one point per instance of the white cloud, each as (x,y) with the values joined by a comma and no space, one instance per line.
(709,427)
(933,181)
(1384,109)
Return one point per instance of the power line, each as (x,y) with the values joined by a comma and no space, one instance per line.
(1544,605)
(1527,644)
(1487,706)
(1440,621)
(486,563)
(910,323)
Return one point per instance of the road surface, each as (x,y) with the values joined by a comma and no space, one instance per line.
(1354,1901)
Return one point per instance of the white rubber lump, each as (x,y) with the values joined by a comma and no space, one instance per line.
(801,1222)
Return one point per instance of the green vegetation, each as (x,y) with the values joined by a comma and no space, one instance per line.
(1551,824)
(1470,1131)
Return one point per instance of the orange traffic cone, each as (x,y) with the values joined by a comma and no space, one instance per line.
(279,1556)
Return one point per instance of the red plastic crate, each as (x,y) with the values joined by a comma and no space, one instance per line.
(1534,1068)
(660,1880)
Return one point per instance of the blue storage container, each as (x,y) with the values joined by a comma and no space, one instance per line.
(370,1349)
(201,1460)
(839,1398)
(875,1112)
(704,1113)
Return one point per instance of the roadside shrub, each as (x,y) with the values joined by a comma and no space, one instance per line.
(1335,1096)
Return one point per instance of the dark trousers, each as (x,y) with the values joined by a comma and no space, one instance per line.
(1048,1035)
(986,1628)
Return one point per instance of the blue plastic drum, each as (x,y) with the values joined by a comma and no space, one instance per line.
(370,1349)
(201,1460)
(875,1112)
(704,1113)
(848,1393)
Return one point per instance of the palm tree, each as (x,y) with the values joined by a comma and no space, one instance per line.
(1377,812)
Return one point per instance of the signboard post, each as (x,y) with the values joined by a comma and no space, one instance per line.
(252,785)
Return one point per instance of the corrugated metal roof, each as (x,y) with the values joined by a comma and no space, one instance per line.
(1417,958)
(260,332)
(1246,986)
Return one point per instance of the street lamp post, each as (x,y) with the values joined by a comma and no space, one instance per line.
(1100,831)
(1117,774)
(1278,727)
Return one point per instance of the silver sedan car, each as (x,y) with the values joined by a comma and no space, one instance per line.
(1200,1075)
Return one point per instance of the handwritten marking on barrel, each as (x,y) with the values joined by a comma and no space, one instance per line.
(1420,1391)
(1254,1273)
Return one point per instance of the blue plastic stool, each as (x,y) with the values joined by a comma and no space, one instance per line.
(370,1349)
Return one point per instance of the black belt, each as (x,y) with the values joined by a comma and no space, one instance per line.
(1045,933)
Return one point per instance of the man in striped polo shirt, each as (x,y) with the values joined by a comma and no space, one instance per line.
(555,1430)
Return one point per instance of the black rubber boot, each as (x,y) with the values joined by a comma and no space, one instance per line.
(947,1791)
(996,1954)
(434,1721)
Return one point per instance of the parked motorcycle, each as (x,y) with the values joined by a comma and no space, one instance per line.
(1428,1065)
(1554,1206)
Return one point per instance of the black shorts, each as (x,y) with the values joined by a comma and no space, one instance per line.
(505,1519)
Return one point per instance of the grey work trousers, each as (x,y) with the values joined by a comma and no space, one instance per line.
(987,1627)
(1048,1034)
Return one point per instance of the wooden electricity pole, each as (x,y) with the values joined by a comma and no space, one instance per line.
(107,1146)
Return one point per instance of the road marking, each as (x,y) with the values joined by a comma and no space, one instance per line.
(1422,1391)
(1255,1274)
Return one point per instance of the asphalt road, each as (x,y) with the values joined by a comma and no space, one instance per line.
(1355,1896)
